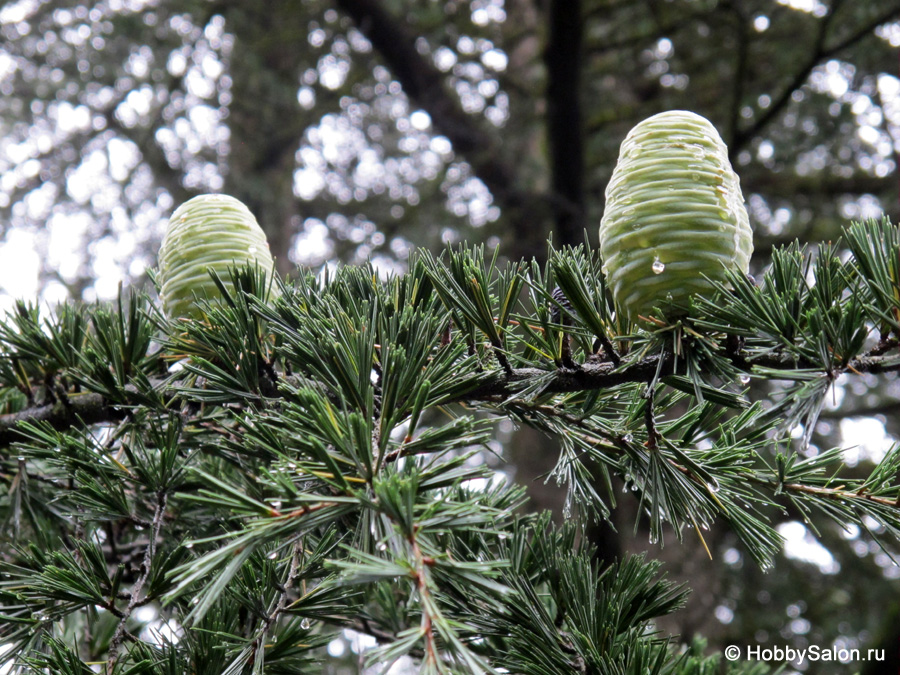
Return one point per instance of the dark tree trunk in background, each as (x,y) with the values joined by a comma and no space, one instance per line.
(265,121)
(565,132)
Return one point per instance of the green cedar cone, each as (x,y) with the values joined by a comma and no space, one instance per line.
(674,215)
(208,232)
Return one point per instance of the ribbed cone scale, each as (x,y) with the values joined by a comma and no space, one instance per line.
(208,232)
(674,214)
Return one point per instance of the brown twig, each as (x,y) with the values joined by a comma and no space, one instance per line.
(138,588)
(421,575)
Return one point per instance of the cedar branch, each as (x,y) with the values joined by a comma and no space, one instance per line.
(94,408)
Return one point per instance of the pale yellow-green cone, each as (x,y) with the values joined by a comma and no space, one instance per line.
(674,213)
(208,232)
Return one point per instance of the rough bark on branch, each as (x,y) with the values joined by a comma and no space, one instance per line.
(83,408)
(94,408)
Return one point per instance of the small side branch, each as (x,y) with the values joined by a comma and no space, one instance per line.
(653,436)
(137,590)
(432,651)
(282,602)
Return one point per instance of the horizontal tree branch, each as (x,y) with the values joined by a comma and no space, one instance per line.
(94,408)
(591,376)
(886,408)
(78,408)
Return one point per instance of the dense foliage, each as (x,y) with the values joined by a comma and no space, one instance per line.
(273,474)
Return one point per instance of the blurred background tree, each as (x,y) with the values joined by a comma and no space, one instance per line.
(361,129)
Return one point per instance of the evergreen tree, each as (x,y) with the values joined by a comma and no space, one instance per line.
(230,494)
(374,127)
